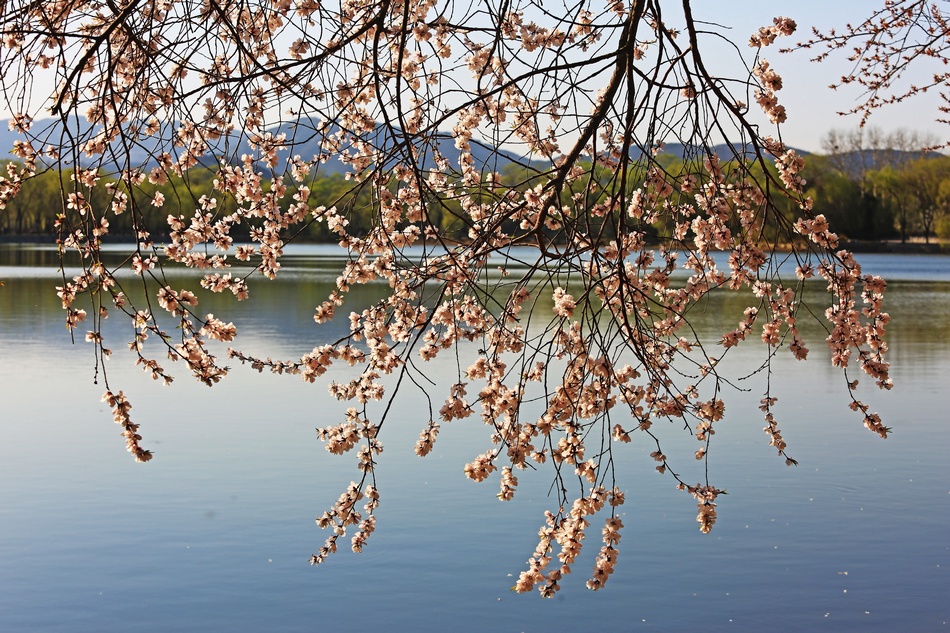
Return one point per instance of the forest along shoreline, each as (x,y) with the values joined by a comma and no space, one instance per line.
(895,246)
(857,246)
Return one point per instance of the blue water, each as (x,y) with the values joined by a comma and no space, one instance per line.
(214,533)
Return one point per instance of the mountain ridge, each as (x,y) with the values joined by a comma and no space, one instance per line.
(304,141)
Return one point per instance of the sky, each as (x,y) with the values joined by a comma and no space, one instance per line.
(811,105)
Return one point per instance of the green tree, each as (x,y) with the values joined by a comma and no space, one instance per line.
(929,183)
(898,194)
(849,204)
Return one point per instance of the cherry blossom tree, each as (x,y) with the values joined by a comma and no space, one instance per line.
(470,134)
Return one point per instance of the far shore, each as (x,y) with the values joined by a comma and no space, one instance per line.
(911,247)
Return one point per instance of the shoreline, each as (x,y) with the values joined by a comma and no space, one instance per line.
(907,248)
(856,246)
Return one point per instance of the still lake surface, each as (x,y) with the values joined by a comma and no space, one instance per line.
(214,534)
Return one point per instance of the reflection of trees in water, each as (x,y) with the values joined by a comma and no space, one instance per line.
(282,309)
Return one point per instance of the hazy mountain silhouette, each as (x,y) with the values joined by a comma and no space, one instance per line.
(303,140)
(858,162)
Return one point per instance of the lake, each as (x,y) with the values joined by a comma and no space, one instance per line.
(214,534)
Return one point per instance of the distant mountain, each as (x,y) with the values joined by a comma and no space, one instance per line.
(725,151)
(304,140)
(855,164)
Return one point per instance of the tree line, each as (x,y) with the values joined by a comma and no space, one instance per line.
(871,186)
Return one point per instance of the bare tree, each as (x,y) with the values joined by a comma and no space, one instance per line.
(858,151)
(425,103)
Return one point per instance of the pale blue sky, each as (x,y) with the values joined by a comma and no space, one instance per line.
(811,105)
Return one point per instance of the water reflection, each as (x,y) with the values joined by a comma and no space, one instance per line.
(215,532)
(282,310)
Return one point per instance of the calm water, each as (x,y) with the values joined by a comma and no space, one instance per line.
(214,534)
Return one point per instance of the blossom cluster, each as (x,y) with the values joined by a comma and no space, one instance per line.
(558,287)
